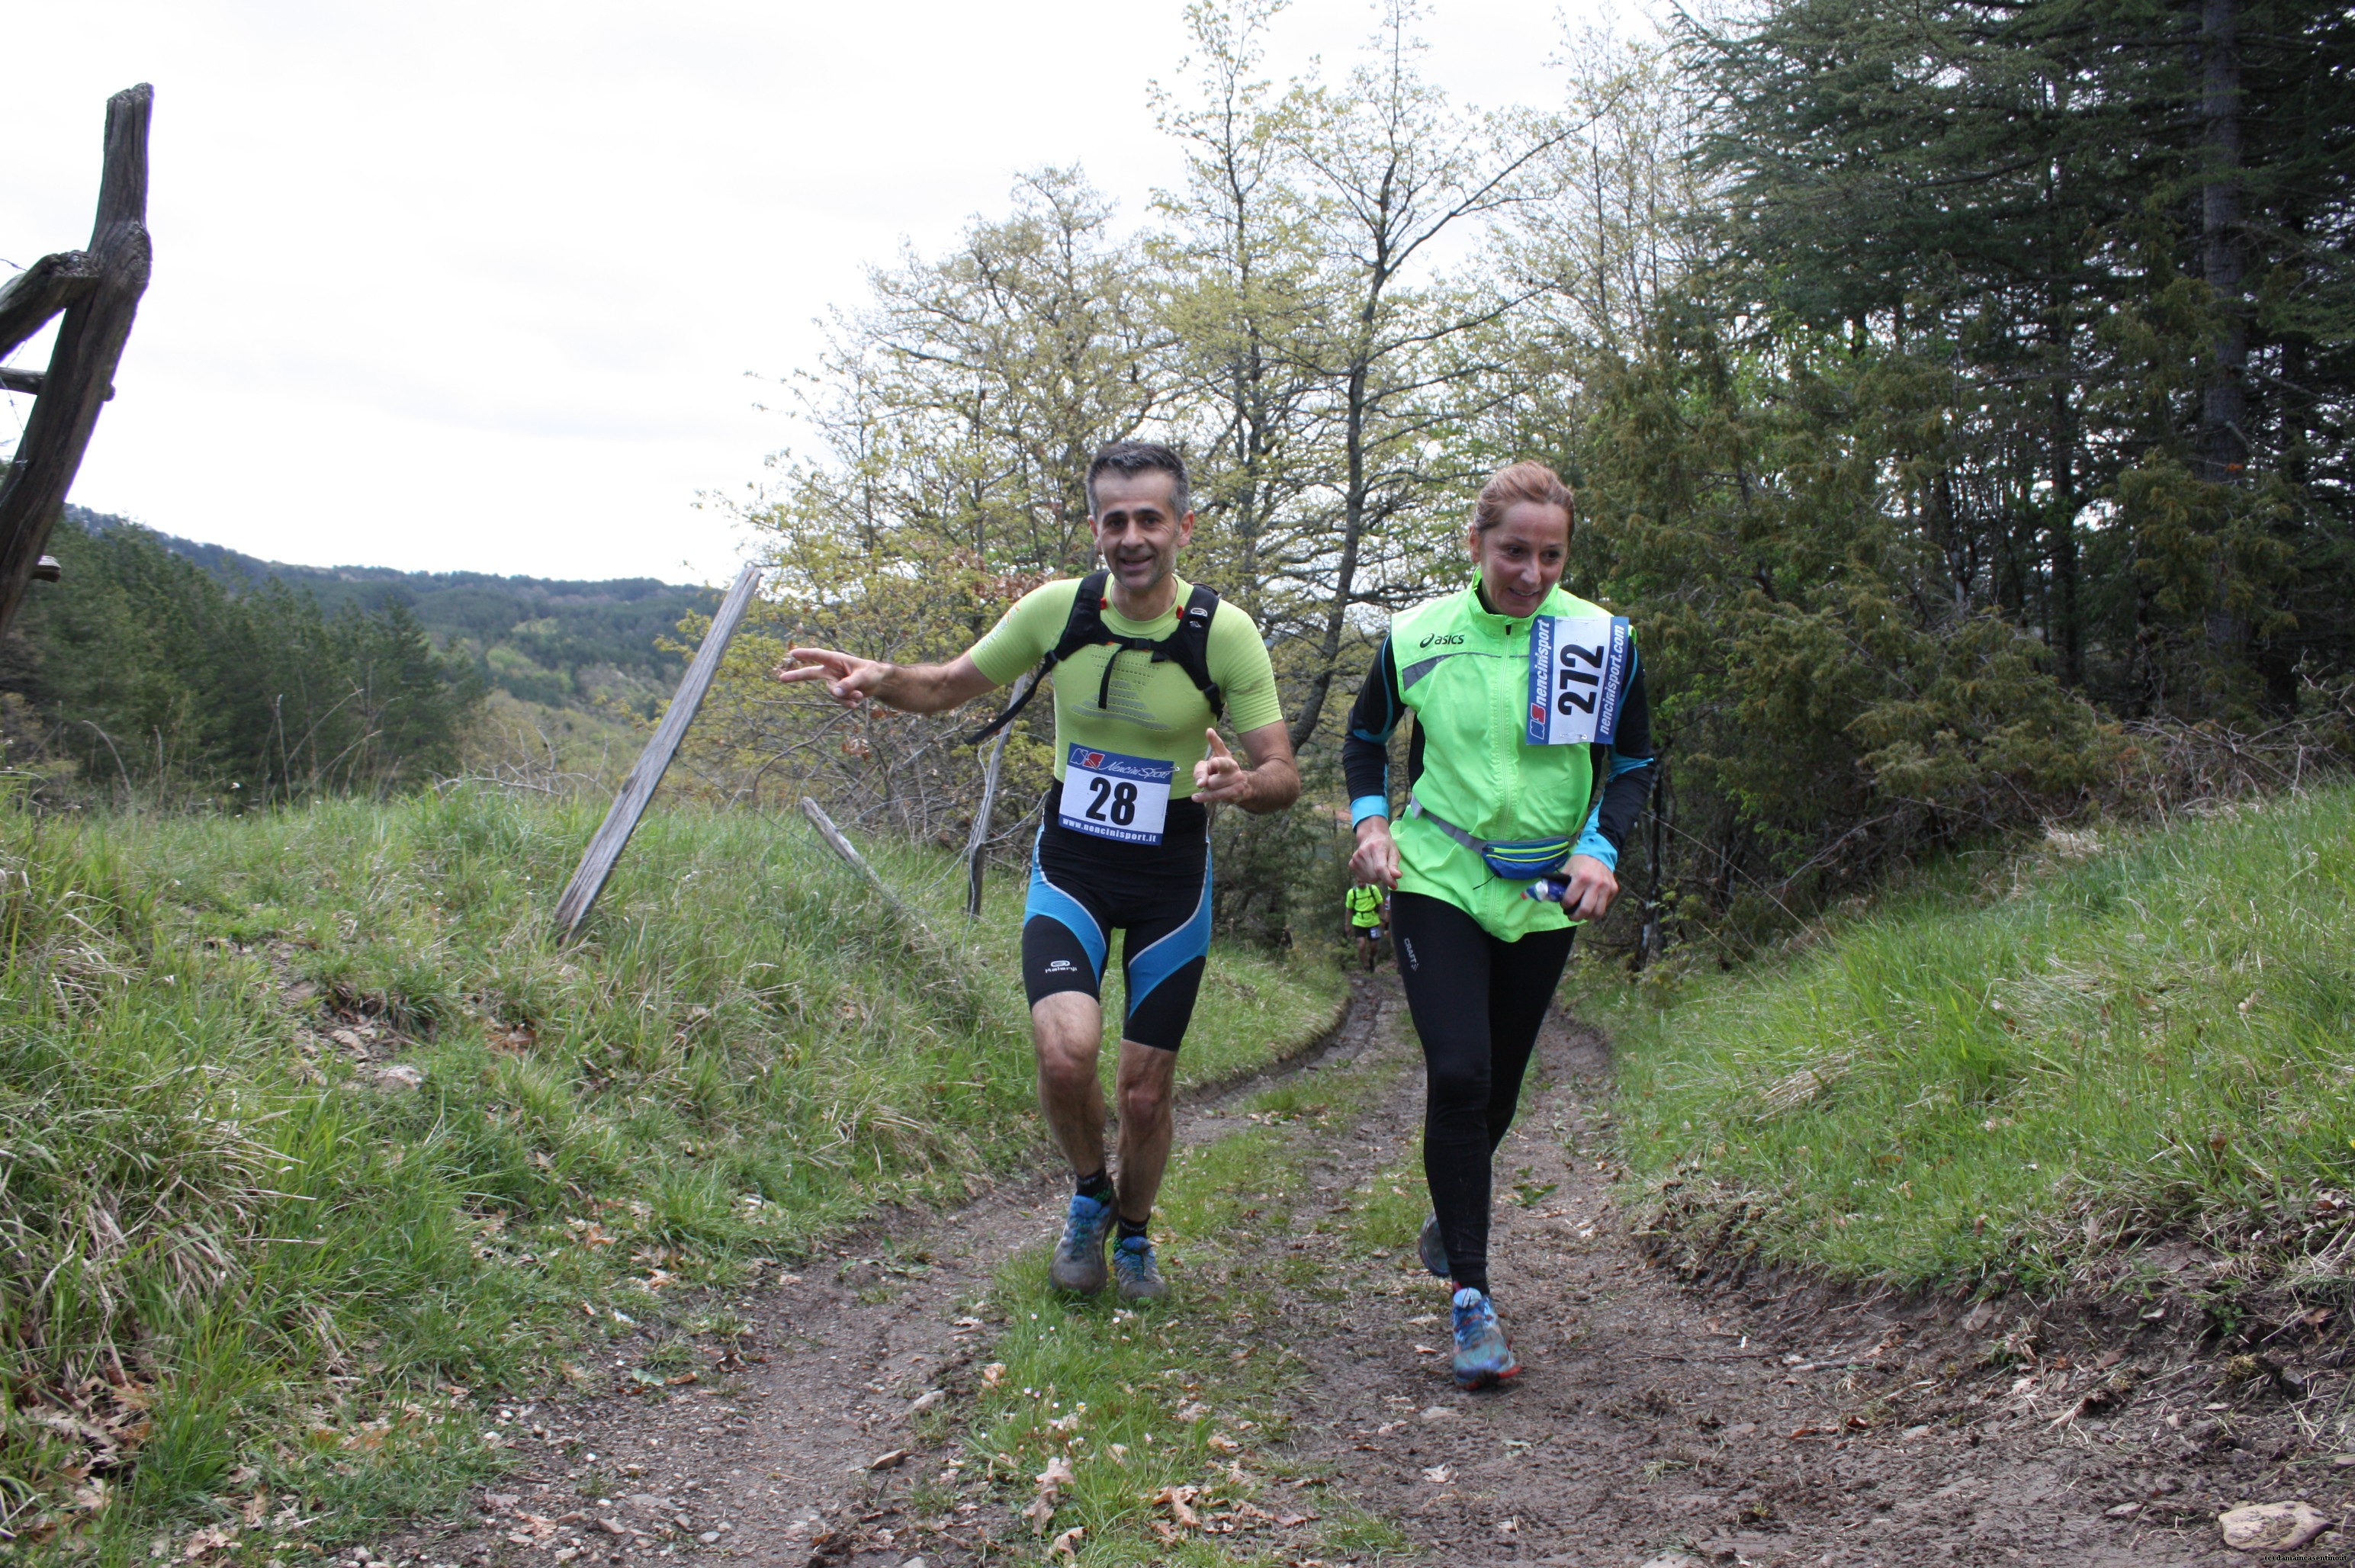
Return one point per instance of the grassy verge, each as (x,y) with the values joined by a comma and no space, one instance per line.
(2143,1037)
(309,1138)
(1157,1424)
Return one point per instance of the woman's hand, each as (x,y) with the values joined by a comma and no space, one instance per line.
(1376,859)
(1592,889)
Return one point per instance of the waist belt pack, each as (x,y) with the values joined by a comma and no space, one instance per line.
(1514,860)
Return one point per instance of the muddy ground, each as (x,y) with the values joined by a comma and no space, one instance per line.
(1730,1420)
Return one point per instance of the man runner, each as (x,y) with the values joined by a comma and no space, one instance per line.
(1125,837)
(1366,901)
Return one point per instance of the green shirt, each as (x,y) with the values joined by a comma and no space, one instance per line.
(1365,906)
(1153,708)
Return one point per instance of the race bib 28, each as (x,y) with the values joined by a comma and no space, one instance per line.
(1112,796)
(1578,668)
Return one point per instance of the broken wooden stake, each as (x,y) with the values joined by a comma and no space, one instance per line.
(976,843)
(858,862)
(605,849)
(99,292)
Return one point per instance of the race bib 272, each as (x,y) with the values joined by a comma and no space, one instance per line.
(1578,668)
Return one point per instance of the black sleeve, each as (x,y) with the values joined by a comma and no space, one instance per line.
(1373,718)
(1628,763)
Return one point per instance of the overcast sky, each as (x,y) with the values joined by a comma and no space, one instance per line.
(482,285)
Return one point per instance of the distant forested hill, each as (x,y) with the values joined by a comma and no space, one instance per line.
(544,640)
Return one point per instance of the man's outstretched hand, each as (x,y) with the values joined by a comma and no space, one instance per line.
(849,679)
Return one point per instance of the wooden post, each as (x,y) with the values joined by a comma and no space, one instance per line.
(977,841)
(99,293)
(605,849)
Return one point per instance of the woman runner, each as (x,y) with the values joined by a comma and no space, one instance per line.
(1531,762)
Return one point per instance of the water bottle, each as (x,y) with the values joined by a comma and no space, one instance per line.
(1550,889)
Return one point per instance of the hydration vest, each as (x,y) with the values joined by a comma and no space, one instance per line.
(1188,647)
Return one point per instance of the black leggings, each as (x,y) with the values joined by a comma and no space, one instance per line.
(1478,1003)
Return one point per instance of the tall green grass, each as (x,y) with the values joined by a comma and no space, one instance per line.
(245,1268)
(2023,1085)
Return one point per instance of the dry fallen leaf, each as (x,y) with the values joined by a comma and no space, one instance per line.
(1224,1444)
(1066,1543)
(1440,1475)
(212,1538)
(993,1373)
(1051,1480)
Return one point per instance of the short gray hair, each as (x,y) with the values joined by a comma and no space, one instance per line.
(1135,457)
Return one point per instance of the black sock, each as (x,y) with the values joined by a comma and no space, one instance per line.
(1098,1186)
(1129,1227)
(1465,1281)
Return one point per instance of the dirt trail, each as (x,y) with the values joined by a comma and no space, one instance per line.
(772,1454)
(1760,1424)
(1742,1424)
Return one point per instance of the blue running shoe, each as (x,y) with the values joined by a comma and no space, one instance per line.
(1134,1271)
(1482,1357)
(1433,1249)
(1079,1263)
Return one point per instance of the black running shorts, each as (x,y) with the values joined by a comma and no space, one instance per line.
(1083,888)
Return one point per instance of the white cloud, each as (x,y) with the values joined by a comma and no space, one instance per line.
(446,284)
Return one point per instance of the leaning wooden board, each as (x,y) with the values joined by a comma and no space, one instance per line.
(605,849)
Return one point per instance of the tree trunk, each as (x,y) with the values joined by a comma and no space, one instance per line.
(2224,424)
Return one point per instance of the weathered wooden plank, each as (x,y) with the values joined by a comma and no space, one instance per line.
(89,347)
(40,291)
(605,849)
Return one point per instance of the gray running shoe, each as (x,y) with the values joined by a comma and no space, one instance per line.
(1433,1249)
(1079,1263)
(1134,1272)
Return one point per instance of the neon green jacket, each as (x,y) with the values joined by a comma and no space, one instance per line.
(1465,671)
